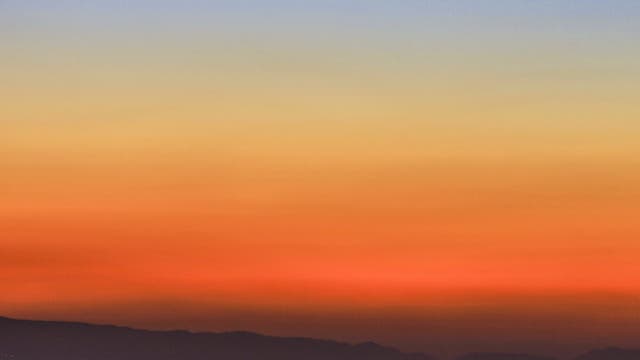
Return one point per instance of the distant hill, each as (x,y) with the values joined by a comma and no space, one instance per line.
(501,356)
(46,340)
(611,354)
(52,340)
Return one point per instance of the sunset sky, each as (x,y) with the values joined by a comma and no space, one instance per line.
(427,174)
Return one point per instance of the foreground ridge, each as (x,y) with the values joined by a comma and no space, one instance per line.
(36,340)
(57,340)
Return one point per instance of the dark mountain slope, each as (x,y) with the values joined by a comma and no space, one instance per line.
(45,340)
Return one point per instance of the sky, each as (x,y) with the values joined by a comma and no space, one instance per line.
(433,175)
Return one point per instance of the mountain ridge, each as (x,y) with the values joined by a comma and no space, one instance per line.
(45,340)
(40,339)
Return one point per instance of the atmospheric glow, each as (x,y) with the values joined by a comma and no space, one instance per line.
(231,160)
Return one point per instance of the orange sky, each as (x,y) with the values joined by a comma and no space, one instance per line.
(295,174)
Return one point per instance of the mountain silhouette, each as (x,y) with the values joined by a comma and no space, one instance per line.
(501,356)
(54,340)
(47,340)
(611,353)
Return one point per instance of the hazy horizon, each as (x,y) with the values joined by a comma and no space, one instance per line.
(353,170)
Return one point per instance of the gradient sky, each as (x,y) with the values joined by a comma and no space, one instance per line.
(421,173)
